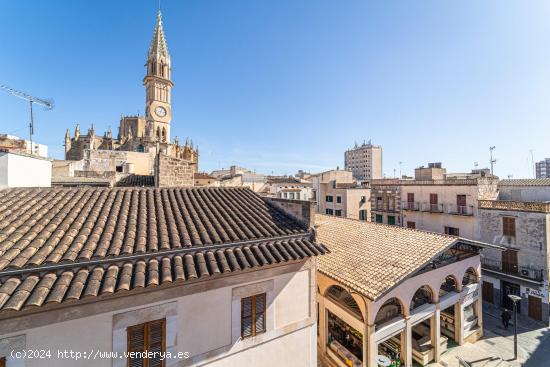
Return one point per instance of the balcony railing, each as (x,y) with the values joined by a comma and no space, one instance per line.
(385,207)
(432,208)
(411,205)
(520,271)
(460,209)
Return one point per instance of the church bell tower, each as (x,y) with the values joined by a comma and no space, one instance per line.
(158,86)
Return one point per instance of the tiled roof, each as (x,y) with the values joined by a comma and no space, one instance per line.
(525,182)
(136,181)
(65,244)
(373,258)
(204,176)
(77,282)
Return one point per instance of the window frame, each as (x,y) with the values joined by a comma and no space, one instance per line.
(509,229)
(146,342)
(253,315)
(338,199)
(329,198)
(448,230)
(338,212)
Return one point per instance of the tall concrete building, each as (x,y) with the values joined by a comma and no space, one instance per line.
(365,161)
(543,168)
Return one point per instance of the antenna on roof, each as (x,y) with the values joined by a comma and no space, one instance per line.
(492,161)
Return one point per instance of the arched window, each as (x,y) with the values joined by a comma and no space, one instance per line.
(163,134)
(449,285)
(421,297)
(343,298)
(390,309)
(158,132)
(470,277)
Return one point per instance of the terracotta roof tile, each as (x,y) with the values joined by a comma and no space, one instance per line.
(525,182)
(59,245)
(372,258)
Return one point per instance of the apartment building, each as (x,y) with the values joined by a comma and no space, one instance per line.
(543,168)
(386,201)
(519,220)
(205,276)
(433,202)
(365,161)
(337,193)
(287,188)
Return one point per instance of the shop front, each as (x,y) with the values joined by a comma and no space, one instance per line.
(344,342)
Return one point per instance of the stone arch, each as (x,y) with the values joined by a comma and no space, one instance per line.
(422,296)
(344,299)
(389,310)
(470,276)
(449,284)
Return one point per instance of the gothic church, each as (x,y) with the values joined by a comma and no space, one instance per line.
(149,133)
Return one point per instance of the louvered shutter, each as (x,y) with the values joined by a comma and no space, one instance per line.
(259,313)
(2,361)
(156,336)
(246,317)
(136,343)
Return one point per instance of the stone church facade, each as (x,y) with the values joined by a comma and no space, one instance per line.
(149,133)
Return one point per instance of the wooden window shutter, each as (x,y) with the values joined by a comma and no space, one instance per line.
(136,343)
(2,361)
(156,341)
(253,320)
(147,337)
(509,226)
(259,313)
(246,317)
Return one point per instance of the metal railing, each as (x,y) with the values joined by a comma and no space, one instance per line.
(460,209)
(517,270)
(385,207)
(432,208)
(411,205)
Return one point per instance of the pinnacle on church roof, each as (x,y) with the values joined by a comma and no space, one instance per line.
(158,47)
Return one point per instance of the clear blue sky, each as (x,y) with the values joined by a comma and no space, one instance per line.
(279,85)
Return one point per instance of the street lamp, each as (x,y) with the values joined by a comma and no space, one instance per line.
(515,300)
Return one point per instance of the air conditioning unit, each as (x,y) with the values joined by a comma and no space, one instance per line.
(525,272)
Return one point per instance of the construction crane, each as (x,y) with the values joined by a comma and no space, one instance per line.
(48,105)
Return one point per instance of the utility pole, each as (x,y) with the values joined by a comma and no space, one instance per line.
(532,162)
(400,175)
(492,161)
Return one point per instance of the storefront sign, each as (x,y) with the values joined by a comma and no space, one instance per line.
(473,294)
(534,292)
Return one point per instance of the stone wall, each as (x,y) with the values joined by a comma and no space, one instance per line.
(530,240)
(173,172)
(302,211)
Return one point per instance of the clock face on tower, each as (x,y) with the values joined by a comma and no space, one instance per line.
(160,111)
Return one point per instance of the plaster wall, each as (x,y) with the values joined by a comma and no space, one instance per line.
(205,324)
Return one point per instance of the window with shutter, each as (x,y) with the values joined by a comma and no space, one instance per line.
(2,361)
(509,226)
(253,315)
(147,337)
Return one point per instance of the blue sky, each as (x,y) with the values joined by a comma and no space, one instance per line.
(284,85)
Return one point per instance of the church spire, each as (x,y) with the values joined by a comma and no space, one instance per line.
(159,47)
